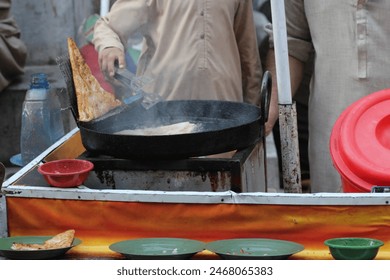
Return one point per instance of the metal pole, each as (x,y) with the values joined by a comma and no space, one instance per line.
(104,7)
(287,109)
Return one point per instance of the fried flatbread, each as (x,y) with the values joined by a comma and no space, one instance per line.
(93,100)
(61,240)
(172,129)
(26,247)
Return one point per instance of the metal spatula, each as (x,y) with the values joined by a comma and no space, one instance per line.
(135,86)
(127,78)
(65,66)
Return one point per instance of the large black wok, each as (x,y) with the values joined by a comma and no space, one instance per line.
(222,126)
(225,126)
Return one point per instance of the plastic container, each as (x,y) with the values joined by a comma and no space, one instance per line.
(42,123)
(360,143)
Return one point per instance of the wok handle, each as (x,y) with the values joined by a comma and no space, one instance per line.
(265,95)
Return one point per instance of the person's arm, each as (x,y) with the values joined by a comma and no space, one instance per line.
(296,76)
(251,69)
(112,31)
(109,45)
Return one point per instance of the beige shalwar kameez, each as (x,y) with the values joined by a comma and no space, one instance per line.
(192,49)
(351,40)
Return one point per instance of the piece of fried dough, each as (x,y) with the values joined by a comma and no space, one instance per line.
(92,100)
(61,240)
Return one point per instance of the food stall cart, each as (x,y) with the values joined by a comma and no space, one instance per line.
(103,216)
(181,199)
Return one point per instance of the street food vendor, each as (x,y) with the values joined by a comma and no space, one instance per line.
(191,49)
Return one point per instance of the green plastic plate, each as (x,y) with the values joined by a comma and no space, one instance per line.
(158,248)
(254,248)
(7,252)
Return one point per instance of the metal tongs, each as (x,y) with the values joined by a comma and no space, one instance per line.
(135,84)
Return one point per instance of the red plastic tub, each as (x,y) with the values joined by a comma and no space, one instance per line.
(360,143)
(66,173)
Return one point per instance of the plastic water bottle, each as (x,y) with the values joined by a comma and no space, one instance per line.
(42,123)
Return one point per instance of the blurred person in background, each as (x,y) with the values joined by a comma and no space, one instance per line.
(350,42)
(13,51)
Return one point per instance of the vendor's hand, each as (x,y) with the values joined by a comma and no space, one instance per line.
(109,58)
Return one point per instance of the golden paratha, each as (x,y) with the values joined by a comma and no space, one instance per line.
(61,240)
(93,101)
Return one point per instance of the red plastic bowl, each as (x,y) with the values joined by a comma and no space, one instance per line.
(66,173)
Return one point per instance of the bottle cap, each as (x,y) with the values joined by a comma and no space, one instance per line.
(39,80)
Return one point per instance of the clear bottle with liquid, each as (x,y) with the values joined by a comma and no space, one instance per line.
(42,123)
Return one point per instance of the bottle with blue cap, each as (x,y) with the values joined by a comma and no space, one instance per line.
(42,123)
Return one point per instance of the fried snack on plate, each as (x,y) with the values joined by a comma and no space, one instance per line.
(61,240)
